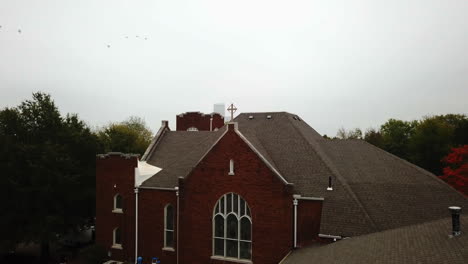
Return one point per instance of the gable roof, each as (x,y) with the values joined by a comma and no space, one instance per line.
(372,189)
(423,243)
(177,153)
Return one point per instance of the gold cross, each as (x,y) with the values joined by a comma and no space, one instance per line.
(232,109)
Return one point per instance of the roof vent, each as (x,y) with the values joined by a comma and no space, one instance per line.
(251,117)
(295,117)
(455,210)
(268,116)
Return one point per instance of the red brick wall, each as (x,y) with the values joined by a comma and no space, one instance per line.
(308,221)
(115,170)
(267,196)
(198,120)
(151,204)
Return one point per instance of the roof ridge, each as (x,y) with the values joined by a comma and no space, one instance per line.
(416,167)
(320,153)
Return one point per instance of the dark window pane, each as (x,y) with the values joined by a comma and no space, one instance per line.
(231,231)
(219,226)
(222,206)
(245,250)
(117,236)
(242,207)
(248,210)
(118,201)
(169,218)
(169,239)
(219,247)
(217,208)
(231,248)
(235,203)
(245,229)
(229,203)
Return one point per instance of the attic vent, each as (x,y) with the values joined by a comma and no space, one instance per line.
(330,186)
(268,116)
(295,117)
(298,119)
(251,117)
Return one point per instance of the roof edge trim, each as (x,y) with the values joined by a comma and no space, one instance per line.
(149,151)
(261,157)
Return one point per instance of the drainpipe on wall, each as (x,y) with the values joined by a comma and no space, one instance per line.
(177,194)
(211,124)
(295,202)
(136,224)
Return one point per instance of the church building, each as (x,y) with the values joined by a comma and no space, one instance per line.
(253,190)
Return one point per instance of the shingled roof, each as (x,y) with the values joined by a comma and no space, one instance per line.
(422,243)
(372,189)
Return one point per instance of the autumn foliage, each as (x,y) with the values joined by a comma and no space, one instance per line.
(456,173)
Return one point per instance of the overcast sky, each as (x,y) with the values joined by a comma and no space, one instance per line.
(350,63)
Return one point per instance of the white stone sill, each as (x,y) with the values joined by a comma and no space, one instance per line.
(246,261)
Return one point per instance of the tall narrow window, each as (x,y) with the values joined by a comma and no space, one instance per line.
(232,228)
(118,207)
(231,167)
(169,226)
(117,239)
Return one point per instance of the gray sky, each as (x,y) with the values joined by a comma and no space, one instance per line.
(351,63)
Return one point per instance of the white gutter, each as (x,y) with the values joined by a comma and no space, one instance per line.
(295,202)
(330,236)
(136,224)
(143,172)
(177,194)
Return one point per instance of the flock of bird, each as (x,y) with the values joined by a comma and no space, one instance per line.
(126,37)
(108,45)
(19,30)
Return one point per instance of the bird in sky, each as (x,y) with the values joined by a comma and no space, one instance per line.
(19,31)
(108,46)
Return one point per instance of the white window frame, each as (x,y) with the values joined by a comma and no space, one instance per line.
(246,214)
(193,129)
(166,247)
(114,243)
(115,209)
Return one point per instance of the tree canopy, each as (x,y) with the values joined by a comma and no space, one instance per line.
(129,136)
(48,172)
(456,171)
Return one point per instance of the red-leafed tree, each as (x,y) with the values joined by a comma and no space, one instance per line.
(456,173)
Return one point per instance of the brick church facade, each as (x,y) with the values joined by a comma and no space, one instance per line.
(252,191)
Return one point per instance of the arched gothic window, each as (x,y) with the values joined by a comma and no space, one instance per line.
(169,226)
(232,228)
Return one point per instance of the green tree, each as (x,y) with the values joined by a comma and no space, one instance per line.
(396,135)
(374,137)
(351,134)
(433,138)
(129,136)
(48,172)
